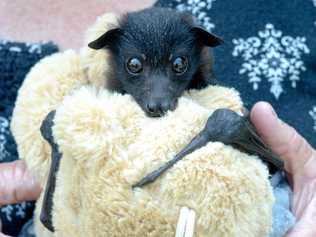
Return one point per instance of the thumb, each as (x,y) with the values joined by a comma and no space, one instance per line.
(300,162)
(305,226)
(17,184)
(284,140)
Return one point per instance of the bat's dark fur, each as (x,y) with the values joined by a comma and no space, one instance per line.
(157,37)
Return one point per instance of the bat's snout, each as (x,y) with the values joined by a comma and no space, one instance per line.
(159,107)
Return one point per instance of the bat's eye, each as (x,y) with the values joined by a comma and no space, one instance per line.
(180,65)
(134,66)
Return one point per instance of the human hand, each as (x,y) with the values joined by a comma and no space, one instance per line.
(16,185)
(300,163)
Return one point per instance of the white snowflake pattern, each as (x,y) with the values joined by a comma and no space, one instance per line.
(4,131)
(17,210)
(15,49)
(20,209)
(8,210)
(314,1)
(312,113)
(199,9)
(35,48)
(271,56)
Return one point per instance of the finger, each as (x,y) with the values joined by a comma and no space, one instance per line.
(306,224)
(282,138)
(304,198)
(17,184)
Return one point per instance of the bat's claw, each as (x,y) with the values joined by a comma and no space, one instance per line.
(46,127)
(227,126)
(46,220)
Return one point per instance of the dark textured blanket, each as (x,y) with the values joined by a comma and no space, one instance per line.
(269,52)
(16,59)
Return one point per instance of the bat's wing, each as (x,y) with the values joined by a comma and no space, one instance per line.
(250,141)
(228,127)
(47,206)
(197,142)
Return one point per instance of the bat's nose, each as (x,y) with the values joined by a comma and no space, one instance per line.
(157,108)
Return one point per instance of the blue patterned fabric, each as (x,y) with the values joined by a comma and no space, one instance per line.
(269,52)
(283,219)
(16,59)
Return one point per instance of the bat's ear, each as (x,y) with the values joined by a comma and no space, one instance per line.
(107,39)
(206,38)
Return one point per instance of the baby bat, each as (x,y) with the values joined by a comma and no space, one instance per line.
(155,55)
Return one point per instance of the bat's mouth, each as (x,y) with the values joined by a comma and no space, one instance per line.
(159,108)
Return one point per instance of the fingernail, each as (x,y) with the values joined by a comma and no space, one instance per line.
(273,112)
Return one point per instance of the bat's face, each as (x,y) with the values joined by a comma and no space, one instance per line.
(156,54)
